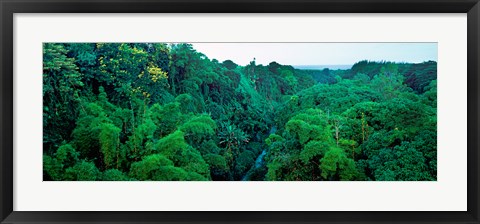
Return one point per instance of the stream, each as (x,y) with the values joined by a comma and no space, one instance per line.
(259,161)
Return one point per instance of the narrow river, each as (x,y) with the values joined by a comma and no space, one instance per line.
(259,161)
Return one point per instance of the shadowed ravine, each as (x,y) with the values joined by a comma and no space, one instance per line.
(259,161)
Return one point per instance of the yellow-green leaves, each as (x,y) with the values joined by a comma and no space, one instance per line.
(335,164)
(110,145)
(313,149)
(309,126)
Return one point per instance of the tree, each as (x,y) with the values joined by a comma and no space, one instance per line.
(148,168)
(114,175)
(54,167)
(336,166)
(110,145)
(83,171)
(62,83)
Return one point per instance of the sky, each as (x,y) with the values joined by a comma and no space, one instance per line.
(318,53)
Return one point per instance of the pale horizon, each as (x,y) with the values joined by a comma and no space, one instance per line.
(300,54)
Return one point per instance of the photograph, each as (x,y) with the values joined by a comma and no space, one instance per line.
(246,111)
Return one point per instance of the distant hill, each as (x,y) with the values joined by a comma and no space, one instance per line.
(417,75)
(321,67)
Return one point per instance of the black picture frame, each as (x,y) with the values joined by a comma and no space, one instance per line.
(9,7)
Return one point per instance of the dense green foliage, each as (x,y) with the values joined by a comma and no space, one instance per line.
(142,111)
